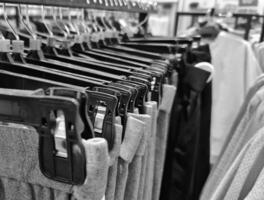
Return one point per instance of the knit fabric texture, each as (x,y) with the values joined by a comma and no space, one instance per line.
(257,192)
(144,158)
(151,109)
(134,171)
(245,129)
(247,164)
(252,91)
(97,169)
(161,137)
(19,158)
(112,172)
(133,134)
(231,184)
(20,171)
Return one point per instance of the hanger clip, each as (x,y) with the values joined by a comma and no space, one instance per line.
(101,110)
(61,152)
(99,118)
(82,98)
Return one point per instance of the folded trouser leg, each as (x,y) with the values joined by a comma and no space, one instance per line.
(97,168)
(134,171)
(132,185)
(143,175)
(129,146)
(111,182)
(161,137)
(151,109)
(144,158)
(112,172)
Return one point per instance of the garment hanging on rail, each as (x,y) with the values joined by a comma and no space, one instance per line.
(239,171)
(226,85)
(187,161)
(101,123)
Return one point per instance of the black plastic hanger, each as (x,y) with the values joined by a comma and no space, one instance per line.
(114,93)
(35,111)
(38,72)
(100,103)
(82,97)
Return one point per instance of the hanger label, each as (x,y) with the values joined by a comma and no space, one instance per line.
(101,35)
(86,37)
(18,46)
(78,39)
(94,37)
(108,34)
(5,46)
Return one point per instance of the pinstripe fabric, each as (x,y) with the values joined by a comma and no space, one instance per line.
(247,127)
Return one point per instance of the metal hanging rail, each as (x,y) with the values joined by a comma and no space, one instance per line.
(114,5)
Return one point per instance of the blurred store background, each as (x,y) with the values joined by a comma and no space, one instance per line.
(225,10)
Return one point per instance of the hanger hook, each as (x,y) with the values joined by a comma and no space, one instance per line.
(54,13)
(6,20)
(2,36)
(42,13)
(27,25)
(44,21)
(61,18)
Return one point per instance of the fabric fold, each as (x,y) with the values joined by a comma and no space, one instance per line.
(134,171)
(151,109)
(129,146)
(161,137)
(112,172)
(97,168)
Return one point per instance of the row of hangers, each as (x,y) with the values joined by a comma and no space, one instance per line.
(140,6)
(87,72)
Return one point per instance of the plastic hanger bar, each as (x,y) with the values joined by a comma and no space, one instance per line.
(35,111)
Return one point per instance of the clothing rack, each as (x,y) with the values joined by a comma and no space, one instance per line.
(248,17)
(117,5)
